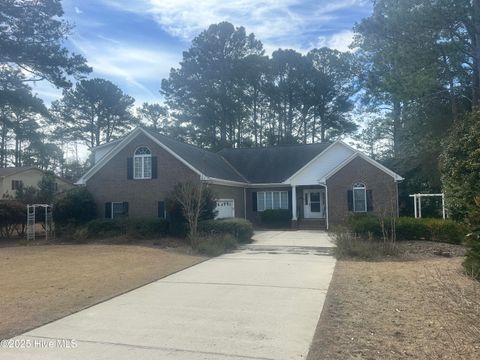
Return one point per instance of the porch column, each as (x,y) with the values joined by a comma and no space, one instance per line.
(294,203)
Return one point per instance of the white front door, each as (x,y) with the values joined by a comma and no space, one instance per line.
(225,208)
(314,203)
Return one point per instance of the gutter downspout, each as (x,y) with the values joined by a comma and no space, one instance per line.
(326,200)
(245,203)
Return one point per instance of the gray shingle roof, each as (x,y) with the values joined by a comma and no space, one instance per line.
(273,164)
(208,163)
(13,170)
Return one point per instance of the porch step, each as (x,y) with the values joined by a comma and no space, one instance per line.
(312,224)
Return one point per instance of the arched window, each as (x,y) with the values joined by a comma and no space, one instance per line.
(359,197)
(142,161)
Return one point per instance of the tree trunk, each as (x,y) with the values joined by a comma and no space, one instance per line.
(397,127)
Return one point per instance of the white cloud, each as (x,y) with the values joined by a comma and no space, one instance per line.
(78,11)
(132,64)
(339,41)
(275,22)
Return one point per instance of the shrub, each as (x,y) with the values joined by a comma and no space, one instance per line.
(407,228)
(75,206)
(472,257)
(12,214)
(133,228)
(240,229)
(216,244)
(363,225)
(350,246)
(276,218)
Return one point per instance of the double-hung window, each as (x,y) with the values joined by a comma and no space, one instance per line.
(272,200)
(142,163)
(359,198)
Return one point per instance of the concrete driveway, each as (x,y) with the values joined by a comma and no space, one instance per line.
(261,302)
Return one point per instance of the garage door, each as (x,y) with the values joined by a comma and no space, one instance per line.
(225,208)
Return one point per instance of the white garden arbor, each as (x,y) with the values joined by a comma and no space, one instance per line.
(417,203)
(44,214)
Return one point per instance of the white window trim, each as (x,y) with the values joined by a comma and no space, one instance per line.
(142,157)
(265,200)
(359,186)
(112,206)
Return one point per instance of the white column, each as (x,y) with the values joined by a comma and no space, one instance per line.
(294,203)
(420,207)
(415,205)
(443,206)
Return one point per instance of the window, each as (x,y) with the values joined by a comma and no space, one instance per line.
(119,209)
(142,163)
(359,198)
(272,200)
(17,184)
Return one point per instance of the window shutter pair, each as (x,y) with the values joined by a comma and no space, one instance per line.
(130,168)
(369,200)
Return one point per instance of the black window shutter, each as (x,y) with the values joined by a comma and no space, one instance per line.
(369,200)
(108,210)
(290,200)
(125,208)
(129,168)
(350,200)
(254,201)
(154,167)
(161,209)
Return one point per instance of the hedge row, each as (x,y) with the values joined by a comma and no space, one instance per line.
(131,227)
(407,228)
(240,229)
(276,218)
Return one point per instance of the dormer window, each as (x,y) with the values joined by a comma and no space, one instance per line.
(142,163)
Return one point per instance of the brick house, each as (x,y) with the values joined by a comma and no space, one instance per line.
(321,184)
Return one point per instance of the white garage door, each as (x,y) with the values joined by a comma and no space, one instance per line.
(225,208)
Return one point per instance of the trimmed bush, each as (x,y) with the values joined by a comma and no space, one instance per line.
(278,218)
(75,206)
(240,229)
(408,228)
(472,257)
(134,228)
(216,244)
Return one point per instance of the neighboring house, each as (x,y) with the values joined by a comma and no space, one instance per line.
(319,183)
(12,178)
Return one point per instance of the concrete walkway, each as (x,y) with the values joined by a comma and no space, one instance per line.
(261,302)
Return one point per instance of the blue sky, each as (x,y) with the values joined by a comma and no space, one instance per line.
(134,43)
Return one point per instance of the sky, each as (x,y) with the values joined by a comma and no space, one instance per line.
(135,43)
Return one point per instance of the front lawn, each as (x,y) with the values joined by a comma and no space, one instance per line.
(46,282)
(416,306)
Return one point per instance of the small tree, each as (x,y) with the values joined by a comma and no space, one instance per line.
(76,206)
(46,188)
(197,202)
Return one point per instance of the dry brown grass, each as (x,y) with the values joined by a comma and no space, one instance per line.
(43,283)
(417,309)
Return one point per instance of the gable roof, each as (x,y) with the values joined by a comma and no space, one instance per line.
(260,165)
(14,170)
(273,164)
(206,162)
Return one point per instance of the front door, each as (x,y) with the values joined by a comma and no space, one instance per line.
(314,203)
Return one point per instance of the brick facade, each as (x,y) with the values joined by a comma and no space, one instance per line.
(383,186)
(110,183)
(231,192)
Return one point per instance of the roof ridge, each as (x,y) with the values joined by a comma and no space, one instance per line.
(275,146)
